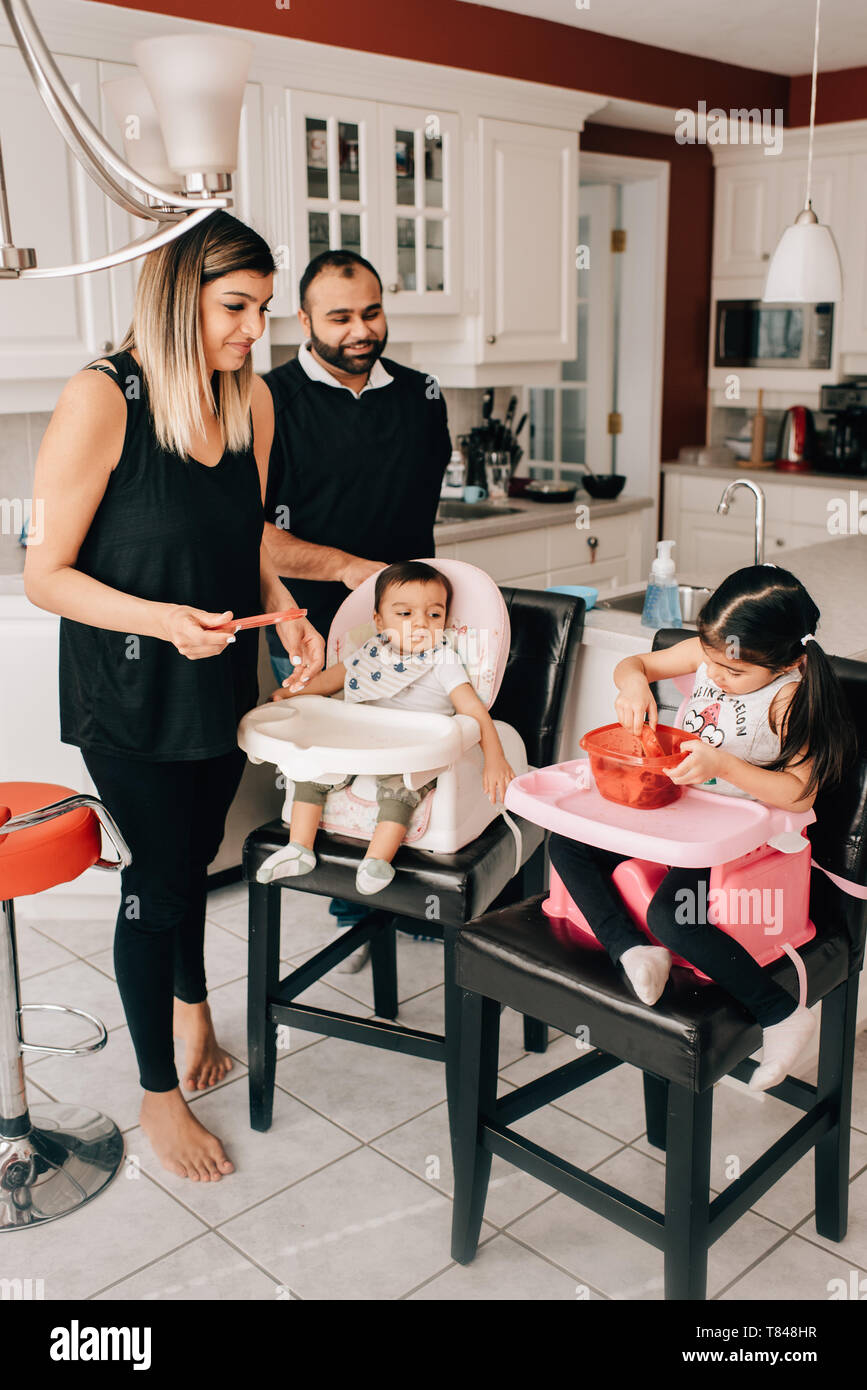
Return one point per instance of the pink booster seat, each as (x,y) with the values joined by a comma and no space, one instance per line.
(761,898)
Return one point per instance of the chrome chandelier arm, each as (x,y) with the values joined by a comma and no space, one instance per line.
(148,241)
(27,819)
(71,120)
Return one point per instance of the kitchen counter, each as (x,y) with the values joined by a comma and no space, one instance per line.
(738,469)
(833,573)
(530,516)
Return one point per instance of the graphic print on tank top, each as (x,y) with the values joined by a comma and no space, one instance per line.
(736,723)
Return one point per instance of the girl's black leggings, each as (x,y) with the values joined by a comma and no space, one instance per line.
(172,815)
(586,872)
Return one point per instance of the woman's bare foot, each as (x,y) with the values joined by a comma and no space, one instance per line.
(180,1142)
(205,1062)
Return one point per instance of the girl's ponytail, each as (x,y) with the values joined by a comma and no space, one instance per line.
(817,719)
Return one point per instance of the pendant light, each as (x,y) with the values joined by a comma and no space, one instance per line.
(805,268)
(181,151)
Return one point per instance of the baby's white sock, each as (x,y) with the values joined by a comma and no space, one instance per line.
(373,875)
(782,1045)
(289,862)
(647,969)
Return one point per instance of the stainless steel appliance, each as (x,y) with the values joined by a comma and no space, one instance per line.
(846,447)
(750,333)
(796,443)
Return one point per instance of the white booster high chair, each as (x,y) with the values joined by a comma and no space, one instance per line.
(315,738)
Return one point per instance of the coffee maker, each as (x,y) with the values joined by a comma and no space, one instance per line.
(846,449)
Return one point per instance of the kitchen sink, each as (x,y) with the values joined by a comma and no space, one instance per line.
(471,511)
(692,598)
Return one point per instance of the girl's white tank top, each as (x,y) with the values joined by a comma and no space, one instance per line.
(737,723)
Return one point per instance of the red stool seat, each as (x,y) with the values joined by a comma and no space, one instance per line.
(42,856)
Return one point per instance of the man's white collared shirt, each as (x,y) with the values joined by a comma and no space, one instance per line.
(376,377)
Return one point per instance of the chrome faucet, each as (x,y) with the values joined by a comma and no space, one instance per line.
(723,506)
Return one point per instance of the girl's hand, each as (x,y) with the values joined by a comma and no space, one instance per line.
(634,701)
(700,763)
(301,640)
(496,776)
(188,629)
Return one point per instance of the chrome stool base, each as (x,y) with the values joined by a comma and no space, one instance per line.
(69,1155)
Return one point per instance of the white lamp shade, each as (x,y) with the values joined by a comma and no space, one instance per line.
(133,109)
(197,84)
(805,268)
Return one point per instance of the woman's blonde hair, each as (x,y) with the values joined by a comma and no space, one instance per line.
(165,332)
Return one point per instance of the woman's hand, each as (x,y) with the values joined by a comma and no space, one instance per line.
(496,776)
(301,640)
(634,701)
(189,629)
(700,763)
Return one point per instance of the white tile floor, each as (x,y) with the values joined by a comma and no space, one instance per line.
(348,1196)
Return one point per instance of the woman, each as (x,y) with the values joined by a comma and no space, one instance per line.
(153,539)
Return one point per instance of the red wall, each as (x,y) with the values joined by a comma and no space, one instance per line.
(840,96)
(690,233)
(496,41)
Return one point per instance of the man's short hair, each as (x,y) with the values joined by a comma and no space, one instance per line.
(346,263)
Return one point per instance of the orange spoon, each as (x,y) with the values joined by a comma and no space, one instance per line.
(261,620)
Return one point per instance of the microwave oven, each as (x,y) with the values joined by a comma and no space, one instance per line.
(750,333)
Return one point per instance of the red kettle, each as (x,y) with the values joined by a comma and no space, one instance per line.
(796,444)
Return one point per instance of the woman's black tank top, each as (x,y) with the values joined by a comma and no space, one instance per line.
(175,531)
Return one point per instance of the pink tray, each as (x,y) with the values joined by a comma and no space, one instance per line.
(697,831)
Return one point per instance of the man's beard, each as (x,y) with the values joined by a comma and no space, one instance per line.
(345,362)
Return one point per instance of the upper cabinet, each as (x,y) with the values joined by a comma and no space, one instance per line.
(745,218)
(49,328)
(854,318)
(529,236)
(420,169)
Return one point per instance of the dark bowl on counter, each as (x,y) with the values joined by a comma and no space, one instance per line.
(604,489)
(539,491)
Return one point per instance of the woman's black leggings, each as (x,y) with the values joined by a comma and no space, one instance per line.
(586,872)
(172,815)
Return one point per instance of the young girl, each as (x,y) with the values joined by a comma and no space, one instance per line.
(773,726)
(407,665)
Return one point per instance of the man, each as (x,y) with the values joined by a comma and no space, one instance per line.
(360,447)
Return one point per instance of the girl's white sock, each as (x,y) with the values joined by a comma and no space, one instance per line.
(782,1045)
(647,969)
(289,862)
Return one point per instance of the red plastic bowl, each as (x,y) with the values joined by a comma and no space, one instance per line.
(623,773)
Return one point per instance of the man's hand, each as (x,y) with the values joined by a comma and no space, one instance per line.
(356,570)
(301,640)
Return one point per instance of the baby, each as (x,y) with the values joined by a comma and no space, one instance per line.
(407,665)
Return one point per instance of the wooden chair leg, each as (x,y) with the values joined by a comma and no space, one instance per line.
(836,1064)
(687,1191)
(655,1108)
(383,965)
(476,1082)
(263,977)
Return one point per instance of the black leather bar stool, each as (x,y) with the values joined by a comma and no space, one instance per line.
(693,1037)
(546,631)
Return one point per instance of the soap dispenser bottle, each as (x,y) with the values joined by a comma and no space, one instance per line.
(662,600)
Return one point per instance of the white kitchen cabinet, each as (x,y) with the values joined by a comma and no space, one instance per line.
(420,256)
(746,217)
(529,185)
(853,319)
(51,327)
(829,193)
(558,554)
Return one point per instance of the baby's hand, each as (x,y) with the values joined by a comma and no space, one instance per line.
(283,693)
(496,776)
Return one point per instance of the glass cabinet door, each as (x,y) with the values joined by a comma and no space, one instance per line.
(334,151)
(419,154)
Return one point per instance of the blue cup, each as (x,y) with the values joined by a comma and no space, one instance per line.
(474,494)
